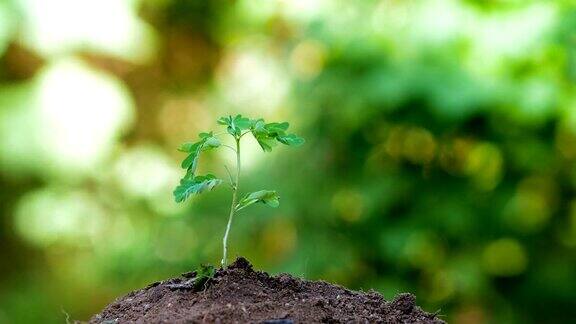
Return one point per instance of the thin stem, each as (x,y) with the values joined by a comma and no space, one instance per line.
(229,176)
(244,134)
(233,206)
(230,147)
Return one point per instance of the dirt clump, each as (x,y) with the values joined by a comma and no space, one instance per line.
(239,294)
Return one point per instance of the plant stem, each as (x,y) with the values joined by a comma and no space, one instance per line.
(233,207)
(228,146)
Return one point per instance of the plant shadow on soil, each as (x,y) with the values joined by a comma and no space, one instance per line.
(238,294)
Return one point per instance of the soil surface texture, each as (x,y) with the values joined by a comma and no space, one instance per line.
(239,294)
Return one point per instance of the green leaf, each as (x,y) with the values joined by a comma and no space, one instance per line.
(211,142)
(207,141)
(259,127)
(268,134)
(262,135)
(242,122)
(192,159)
(197,185)
(266,142)
(224,120)
(267,197)
(275,129)
(235,124)
(188,147)
(290,139)
(206,135)
(229,121)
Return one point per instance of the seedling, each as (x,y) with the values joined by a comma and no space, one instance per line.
(197,280)
(266,134)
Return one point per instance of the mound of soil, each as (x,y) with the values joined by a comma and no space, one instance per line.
(240,294)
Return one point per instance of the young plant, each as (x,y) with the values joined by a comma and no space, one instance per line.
(197,279)
(266,134)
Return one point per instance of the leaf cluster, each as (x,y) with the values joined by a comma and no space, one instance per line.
(207,141)
(190,183)
(267,197)
(195,185)
(266,134)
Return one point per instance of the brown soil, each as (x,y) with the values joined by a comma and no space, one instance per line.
(239,294)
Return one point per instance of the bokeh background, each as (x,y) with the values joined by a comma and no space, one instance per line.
(440,155)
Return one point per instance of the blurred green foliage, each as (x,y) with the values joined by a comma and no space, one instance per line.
(440,155)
